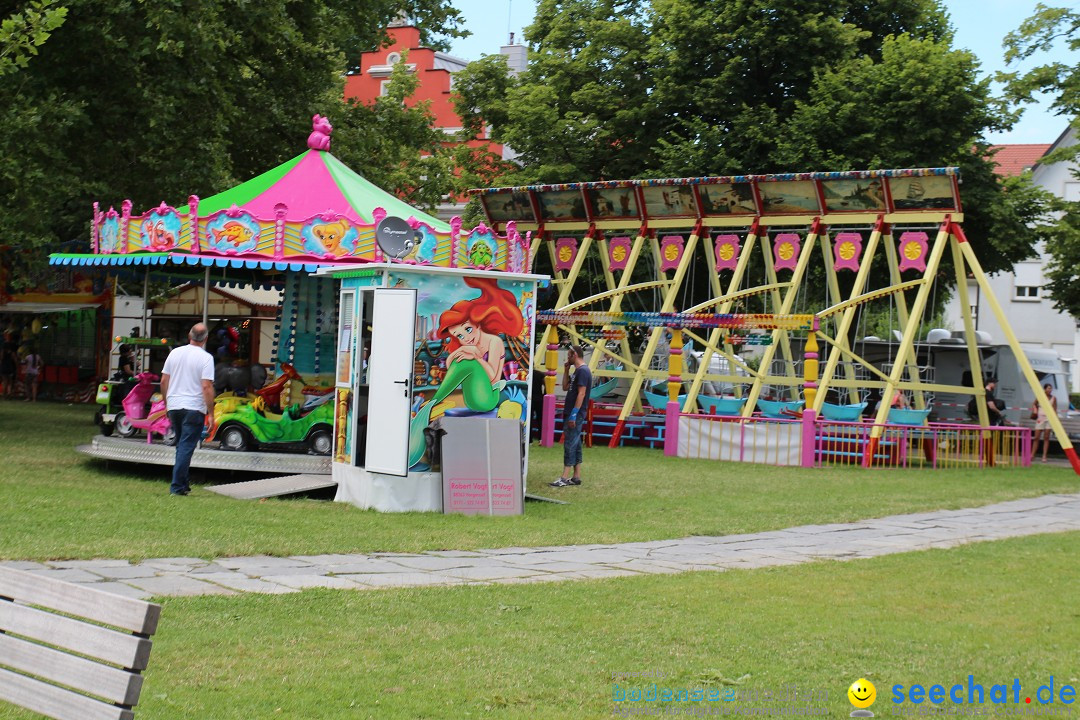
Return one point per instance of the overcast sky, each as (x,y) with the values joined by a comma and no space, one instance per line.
(980,25)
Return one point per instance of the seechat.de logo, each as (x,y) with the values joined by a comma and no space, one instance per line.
(862,695)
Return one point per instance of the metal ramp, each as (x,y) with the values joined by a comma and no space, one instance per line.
(274,487)
(137,450)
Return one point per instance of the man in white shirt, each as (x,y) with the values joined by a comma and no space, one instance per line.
(187,382)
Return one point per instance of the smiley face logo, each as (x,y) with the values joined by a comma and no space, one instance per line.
(862,693)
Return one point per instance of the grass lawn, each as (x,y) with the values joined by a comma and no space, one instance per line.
(58,504)
(998,611)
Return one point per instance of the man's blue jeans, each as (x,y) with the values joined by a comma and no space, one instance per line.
(188,425)
(572,443)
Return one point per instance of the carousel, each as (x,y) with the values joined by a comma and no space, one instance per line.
(369,354)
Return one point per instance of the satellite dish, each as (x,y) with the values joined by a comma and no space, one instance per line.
(395,237)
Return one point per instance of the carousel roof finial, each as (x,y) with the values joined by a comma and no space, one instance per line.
(319,139)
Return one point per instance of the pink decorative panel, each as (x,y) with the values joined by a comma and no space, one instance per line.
(671,250)
(786,251)
(847,251)
(913,247)
(565,251)
(618,252)
(726,248)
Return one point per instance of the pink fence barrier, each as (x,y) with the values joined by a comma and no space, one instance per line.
(818,442)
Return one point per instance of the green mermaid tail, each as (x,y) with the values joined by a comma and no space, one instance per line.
(480,396)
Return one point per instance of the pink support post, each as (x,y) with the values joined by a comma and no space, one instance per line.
(280,211)
(193,220)
(95,229)
(125,219)
(671,429)
(547,423)
(809,438)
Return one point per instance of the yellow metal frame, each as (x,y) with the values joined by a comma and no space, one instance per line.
(834,322)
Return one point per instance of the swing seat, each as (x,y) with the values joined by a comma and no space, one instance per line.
(779,409)
(658,401)
(721,405)
(843,413)
(908,416)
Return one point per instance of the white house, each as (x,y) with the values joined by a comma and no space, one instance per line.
(1028,308)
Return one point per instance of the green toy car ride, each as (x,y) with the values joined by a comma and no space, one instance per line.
(251,426)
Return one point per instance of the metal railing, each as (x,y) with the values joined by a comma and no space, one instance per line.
(782,442)
(937,445)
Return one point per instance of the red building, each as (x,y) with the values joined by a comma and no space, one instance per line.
(435,70)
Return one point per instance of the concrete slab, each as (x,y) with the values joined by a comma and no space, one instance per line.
(24,565)
(87,564)
(74,575)
(372,565)
(303,582)
(259,561)
(178,586)
(118,588)
(127,572)
(408,579)
(486,573)
(243,583)
(423,562)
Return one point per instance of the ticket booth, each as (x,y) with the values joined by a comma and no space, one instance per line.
(416,345)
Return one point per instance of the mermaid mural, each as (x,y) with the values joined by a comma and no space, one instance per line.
(471,331)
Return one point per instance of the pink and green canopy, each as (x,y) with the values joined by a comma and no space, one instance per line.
(313,183)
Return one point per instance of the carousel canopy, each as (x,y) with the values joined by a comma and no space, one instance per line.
(311,183)
(306,213)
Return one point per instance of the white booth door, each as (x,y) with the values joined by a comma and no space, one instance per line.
(390,369)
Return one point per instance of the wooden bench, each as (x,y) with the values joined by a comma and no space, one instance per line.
(58,658)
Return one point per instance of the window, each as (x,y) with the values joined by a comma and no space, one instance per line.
(393,58)
(1026,292)
(384,88)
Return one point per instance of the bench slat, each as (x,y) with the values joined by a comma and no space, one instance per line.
(86,602)
(107,682)
(110,646)
(55,702)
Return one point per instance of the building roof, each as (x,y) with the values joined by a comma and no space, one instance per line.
(1012,160)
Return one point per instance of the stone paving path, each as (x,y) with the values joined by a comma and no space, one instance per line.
(840,541)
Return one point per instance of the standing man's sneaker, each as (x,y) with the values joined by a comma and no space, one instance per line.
(574,481)
(562,482)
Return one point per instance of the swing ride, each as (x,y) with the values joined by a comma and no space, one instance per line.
(720,258)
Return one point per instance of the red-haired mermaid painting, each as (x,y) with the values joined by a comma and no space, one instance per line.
(472,330)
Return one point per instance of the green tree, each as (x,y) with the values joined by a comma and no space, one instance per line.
(640,88)
(1050,28)
(22,33)
(155,101)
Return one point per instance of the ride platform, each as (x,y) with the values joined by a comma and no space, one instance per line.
(137,450)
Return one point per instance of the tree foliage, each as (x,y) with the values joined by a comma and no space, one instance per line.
(1051,28)
(156,100)
(22,33)
(646,88)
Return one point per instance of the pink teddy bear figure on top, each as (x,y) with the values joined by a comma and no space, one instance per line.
(319,139)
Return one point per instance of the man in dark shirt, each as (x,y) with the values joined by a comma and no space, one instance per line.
(994,407)
(575,409)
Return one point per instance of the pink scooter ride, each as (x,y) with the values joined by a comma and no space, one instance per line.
(134,416)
